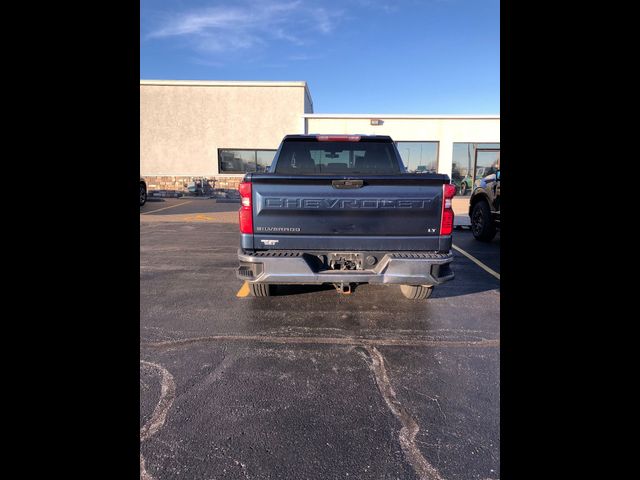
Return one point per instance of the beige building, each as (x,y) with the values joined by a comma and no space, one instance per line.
(215,131)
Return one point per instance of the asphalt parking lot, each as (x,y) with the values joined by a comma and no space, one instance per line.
(310,384)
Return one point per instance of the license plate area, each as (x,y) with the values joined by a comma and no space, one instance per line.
(345,261)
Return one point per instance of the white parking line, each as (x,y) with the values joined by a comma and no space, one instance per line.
(477,262)
(165,208)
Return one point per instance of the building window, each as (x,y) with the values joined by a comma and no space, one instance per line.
(419,157)
(244,161)
(472,161)
(264,159)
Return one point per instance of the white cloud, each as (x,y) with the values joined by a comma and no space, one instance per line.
(303,57)
(254,23)
(380,5)
(206,63)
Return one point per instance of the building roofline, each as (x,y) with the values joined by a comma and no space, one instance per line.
(228,83)
(401,115)
(225,83)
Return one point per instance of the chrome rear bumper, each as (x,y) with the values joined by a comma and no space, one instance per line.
(288,267)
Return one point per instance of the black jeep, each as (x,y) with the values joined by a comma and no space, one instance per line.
(143,191)
(484,206)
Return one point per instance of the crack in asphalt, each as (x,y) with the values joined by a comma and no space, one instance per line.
(144,475)
(410,428)
(408,432)
(155,423)
(363,342)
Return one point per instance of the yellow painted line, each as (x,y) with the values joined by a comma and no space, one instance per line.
(166,208)
(244,290)
(477,262)
(198,218)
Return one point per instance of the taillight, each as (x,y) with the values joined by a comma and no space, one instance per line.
(446,224)
(338,138)
(245,213)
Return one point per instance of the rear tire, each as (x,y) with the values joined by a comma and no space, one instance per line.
(482,224)
(143,194)
(416,292)
(261,289)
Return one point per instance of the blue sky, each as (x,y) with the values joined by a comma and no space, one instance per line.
(357,56)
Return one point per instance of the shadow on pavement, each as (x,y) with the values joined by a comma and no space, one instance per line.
(455,288)
(289,290)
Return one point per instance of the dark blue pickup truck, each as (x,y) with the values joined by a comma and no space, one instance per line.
(341,209)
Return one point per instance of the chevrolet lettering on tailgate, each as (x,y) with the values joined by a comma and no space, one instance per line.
(344,203)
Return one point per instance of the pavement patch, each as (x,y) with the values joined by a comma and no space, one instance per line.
(398,342)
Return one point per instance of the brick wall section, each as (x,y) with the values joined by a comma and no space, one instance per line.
(166,186)
(227,182)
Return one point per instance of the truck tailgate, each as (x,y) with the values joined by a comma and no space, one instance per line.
(332,212)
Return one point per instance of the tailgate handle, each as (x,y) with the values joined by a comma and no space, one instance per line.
(347,183)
